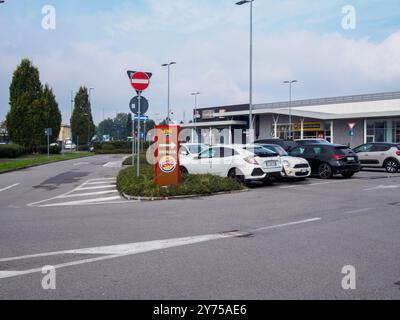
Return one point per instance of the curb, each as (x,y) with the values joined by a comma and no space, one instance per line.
(42,164)
(133,198)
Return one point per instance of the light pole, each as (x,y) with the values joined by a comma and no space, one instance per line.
(251,127)
(90,102)
(290,105)
(195,94)
(169,86)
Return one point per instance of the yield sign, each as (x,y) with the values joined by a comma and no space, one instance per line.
(352,125)
(140,81)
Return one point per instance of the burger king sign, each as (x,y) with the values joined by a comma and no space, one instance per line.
(167,164)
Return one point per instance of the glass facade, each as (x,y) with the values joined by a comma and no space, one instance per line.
(311,130)
(379,130)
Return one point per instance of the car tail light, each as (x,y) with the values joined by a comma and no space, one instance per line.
(338,157)
(251,160)
(398,153)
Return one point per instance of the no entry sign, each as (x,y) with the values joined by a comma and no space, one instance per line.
(140,81)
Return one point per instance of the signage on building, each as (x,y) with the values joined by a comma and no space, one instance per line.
(208,114)
(308,126)
(166,155)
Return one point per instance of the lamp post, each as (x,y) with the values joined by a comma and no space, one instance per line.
(168,65)
(90,102)
(251,127)
(290,105)
(195,94)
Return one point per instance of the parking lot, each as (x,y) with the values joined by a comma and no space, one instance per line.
(286,241)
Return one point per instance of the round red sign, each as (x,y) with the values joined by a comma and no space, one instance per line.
(140,81)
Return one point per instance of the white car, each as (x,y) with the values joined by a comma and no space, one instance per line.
(69,145)
(293,167)
(241,162)
(191,149)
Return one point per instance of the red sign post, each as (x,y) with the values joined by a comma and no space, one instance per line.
(140,81)
(166,155)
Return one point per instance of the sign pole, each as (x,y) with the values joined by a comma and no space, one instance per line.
(48,143)
(133,142)
(138,140)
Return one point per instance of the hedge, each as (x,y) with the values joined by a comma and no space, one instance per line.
(11,151)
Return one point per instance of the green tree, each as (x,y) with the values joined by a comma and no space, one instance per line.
(82,125)
(106,127)
(129,128)
(32,107)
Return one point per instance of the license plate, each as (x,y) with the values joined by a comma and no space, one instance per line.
(351,159)
(304,170)
(271,163)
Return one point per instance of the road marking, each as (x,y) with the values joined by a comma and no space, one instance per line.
(113,164)
(100,182)
(96,188)
(359,210)
(123,250)
(318,184)
(10,187)
(80,202)
(81,163)
(289,224)
(381,187)
(89,194)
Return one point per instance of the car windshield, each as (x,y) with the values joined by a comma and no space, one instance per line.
(261,152)
(196,149)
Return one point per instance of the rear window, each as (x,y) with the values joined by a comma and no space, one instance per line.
(343,150)
(260,151)
(398,146)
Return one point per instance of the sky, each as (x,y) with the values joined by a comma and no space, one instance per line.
(95,42)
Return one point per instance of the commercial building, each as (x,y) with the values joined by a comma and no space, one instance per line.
(65,132)
(3,133)
(375,118)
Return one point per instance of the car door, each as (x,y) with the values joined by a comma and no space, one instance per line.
(314,156)
(363,153)
(202,163)
(378,154)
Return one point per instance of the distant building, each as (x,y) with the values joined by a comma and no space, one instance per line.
(3,133)
(65,132)
(375,118)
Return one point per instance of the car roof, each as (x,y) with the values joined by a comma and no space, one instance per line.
(324,145)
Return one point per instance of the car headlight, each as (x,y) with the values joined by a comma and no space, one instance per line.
(286,163)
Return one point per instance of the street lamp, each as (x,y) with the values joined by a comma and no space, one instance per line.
(290,105)
(195,94)
(251,127)
(169,77)
(90,102)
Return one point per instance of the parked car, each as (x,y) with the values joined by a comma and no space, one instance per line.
(293,167)
(191,149)
(241,162)
(285,144)
(69,145)
(302,142)
(327,160)
(380,155)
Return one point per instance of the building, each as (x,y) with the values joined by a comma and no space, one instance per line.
(375,117)
(65,132)
(3,133)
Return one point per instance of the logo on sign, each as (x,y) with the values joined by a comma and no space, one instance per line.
(167,164)
(167,133)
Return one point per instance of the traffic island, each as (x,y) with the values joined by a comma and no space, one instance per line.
(132,187)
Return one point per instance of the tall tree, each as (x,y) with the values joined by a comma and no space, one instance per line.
(25,91)
(129,128)
(82,125)
(32,108)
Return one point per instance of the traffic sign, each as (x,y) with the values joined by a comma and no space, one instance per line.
(48,131)
(134,105)
(140,81)
(352,125)
(142,118)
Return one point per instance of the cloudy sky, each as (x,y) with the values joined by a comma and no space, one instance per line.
(95,42)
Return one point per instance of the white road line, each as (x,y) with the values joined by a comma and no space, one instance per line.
(81,163)
(360,210)
(123,250)
(96,188)
(80,202)
(318,184)
(100,182)
(289,224)
(101,179)
(113,164)
(10,187)
(89,194)
(382,188)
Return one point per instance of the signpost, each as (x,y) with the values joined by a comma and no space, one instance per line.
(352,132)
(140,81)
(166,154)
(48,132)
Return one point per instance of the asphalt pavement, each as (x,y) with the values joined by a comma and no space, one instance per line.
(287,241)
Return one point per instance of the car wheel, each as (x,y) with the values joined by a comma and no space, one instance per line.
(184,170)
(392,166)
(348,175)
(234,176)
(325,171)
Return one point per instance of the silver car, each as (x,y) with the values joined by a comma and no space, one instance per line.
(380,155)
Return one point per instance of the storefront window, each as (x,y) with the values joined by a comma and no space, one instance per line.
(383,131)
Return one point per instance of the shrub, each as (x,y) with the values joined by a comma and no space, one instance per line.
(11,151)
(53,149)
(143,186)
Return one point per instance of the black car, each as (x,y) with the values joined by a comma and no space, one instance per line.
(285,144)
(311,141)
(327,160)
